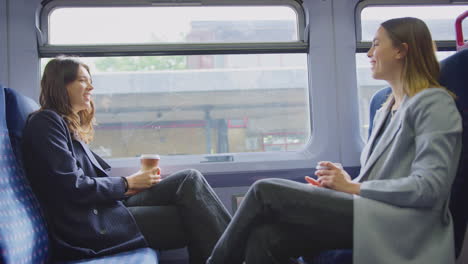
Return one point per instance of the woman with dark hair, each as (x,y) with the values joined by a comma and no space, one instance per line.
(396,210)
(91,214)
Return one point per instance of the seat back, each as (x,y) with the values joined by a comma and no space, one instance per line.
(23,235)
(18,109)
(376,102)
(454,76)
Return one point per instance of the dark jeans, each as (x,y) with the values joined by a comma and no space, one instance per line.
(279,219)
(181,210)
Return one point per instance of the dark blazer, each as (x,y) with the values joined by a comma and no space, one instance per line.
(83,206)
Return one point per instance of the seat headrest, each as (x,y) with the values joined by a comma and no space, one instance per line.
(18,107)
(453,72)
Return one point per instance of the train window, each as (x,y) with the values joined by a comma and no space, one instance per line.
(440,20)
(199,104)
(175,24)
(189,80)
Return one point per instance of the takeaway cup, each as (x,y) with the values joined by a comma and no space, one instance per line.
(149,161)
(318,167)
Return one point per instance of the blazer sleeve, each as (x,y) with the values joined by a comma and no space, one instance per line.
(62,175)
(437,135)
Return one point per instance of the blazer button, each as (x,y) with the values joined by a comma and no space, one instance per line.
(95,211)
(103,231)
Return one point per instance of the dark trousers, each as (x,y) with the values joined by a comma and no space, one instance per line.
(279,219)
(181,210)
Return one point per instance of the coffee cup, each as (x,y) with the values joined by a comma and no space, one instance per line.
(319,167)
(149,161)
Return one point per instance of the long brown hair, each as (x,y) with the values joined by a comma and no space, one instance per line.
(420,67)
(58,73)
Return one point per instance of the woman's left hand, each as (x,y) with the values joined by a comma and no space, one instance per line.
(334,177)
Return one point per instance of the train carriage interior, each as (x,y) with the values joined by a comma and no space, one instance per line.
(241,90)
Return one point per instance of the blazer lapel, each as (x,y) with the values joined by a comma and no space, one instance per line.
(385,139)
(91,157)
(380,118)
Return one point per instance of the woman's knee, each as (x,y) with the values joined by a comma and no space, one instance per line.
(194,175)
(264,185)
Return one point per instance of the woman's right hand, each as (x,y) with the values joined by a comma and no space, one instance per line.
(333,176)
(142,180)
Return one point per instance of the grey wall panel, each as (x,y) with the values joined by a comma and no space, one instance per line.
(23,61)
(3,43)
(344,40)
(322,81)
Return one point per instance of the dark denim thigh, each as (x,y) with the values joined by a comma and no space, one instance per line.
(160,225)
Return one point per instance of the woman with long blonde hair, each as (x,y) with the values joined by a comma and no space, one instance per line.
(396,210)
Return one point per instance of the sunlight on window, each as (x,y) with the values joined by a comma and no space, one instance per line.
(439,19)
(126,25)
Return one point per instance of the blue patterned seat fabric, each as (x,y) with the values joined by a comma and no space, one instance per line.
(23,233)
(138,256)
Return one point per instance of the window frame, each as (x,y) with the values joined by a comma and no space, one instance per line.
(245,161)
(364,46)
(154,49)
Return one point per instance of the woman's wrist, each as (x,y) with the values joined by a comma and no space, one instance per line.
(125,183)
(355,188)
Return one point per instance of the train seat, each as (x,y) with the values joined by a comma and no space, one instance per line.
(376,102)
(23,231)
(23,234)
(453,76)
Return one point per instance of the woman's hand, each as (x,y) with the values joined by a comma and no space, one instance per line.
(142,180)
(334,177)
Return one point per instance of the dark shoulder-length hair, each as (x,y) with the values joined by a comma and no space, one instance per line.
(58,73)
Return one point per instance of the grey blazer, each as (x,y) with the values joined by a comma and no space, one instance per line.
(402,213)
